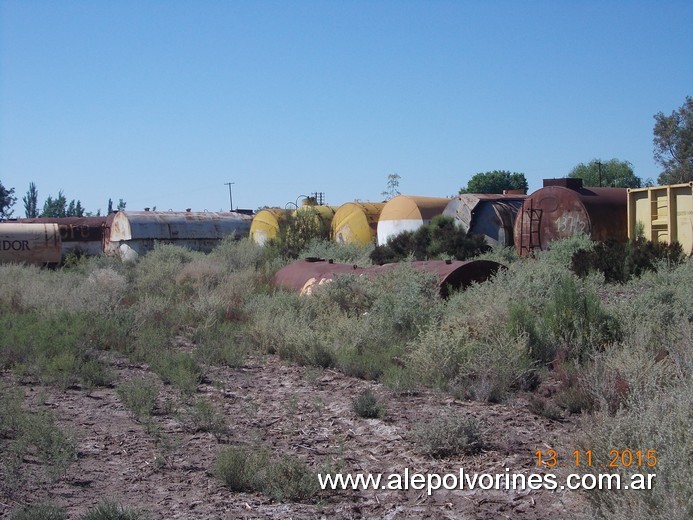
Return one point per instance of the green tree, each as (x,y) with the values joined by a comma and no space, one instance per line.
(614,173)
(55,207)
(6,202)
(673,144)
(496,181)
(58,207)
(74,209)
(31,201)
(392,186)
(120,207)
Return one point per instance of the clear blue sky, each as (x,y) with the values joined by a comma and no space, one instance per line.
(162,102)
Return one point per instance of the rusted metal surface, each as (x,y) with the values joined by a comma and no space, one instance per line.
(76,233)
(304,275)
(489,215)
(555,212)
(356,222)
(129,234)
(30,243)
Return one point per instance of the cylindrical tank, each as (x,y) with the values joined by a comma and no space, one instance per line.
(129,234)
(489,215)
(30,243)
(83,234)
(265,225)
(407,213)
(356,222)
(304,275)
(556,211)
(319,216)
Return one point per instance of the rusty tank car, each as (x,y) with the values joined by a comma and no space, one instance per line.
(304,275)
(564,208)
(128,234)
(77,234)
(30,243)
(491,216)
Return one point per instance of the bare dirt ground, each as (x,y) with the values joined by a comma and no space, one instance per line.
(305,412)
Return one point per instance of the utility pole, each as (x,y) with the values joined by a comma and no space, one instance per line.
(599,165)
(231,196)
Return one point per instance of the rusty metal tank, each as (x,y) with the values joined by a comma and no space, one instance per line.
(489,215)
(408,213)
(304,275)
(79,234)
(265,225)
(356,222)
(564,208)
(30,243)
(128,234)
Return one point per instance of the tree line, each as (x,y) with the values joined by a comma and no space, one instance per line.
(52,206)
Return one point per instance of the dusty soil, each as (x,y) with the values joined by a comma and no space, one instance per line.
(305,412)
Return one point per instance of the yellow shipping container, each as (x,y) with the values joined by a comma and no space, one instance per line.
(665,213)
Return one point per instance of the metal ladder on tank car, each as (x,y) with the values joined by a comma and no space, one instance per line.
(530,240)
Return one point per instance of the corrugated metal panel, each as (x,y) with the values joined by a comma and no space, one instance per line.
(408,213)
(304,275)
(664,212)
(132,233)
(356,222)
(177,225)
(554,212)
(489,215)
(30,243)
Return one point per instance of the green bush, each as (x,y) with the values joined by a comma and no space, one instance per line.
(619,262)
(40,512)
(206,418)
(37,433)
(60,348)
(180,370)
(297,231)
(358,254)
(139,396)
(366,405)
(441,238)
(576,322)
(245,469)
(109,510)
(449,436)
(222,344)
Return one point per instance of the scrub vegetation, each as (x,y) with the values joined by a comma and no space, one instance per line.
(610,347)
